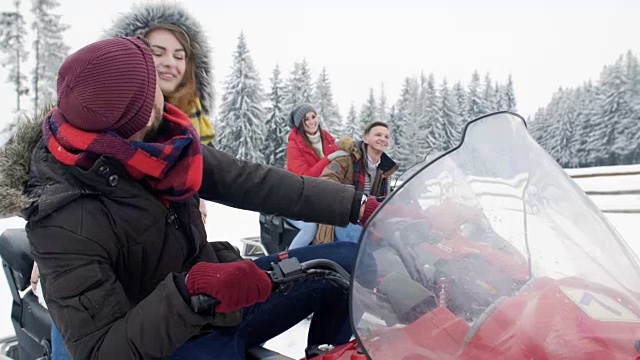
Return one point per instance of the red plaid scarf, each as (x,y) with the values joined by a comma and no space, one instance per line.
(359,174)
(359,177)
(172,166)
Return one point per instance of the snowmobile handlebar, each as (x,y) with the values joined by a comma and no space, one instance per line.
(290,269)
(283,272)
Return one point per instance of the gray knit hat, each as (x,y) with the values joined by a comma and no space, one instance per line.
(298,113)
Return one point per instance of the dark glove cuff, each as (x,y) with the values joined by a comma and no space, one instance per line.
(354,217)
(179,280)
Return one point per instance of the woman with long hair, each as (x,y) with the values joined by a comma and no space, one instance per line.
(309,151)
(182,57)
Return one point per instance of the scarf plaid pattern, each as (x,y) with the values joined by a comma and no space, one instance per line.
(359,178)
(172,166)
(358,174)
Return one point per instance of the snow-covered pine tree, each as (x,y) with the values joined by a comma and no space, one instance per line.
(606,148)
(499,97)
(242,114)
(369,112)
(509,96)
(604,120)
(292,90)
(326,108)
(537,126)
(383,115)
(435,136)
(545,121)
(562,125)
(628,137)
(460,103)
(632,70)
(406,128)
(587,108)
(299,86)
(392,121)
(352,125)
(427,116)
(448,118)
(50,50)
(339,131)
(488,95)
(475,103)
(306,83)
(12,46)
(276,125)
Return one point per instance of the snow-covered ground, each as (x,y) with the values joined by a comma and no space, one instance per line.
(232,224)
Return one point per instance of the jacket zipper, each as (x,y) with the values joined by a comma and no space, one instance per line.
(172,218)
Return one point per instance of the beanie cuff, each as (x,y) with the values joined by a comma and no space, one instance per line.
(300,112)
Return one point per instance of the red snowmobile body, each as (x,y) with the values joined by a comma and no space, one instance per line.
(592,325)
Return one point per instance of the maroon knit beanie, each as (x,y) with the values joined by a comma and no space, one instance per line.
(108,85)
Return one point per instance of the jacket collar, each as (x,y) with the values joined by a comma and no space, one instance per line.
(387,165)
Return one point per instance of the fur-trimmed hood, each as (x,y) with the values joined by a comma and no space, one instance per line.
(346,143)
(15,158)
(144,17)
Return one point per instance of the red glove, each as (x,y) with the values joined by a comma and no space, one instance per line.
(235,285)
(369,207)
(372,204)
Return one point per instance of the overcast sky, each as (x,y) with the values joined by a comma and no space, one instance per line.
(364,43)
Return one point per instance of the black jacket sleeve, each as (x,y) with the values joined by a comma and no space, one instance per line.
(267,189)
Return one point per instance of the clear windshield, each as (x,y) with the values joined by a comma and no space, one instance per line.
(470,242)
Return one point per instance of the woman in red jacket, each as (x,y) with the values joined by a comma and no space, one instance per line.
(309,144)
(309,151)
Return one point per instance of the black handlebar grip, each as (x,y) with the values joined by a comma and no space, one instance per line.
(204,304)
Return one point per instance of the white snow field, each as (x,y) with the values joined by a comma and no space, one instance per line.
(232,224)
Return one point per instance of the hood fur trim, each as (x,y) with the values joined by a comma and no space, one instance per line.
(346,143)
(15,159)
(144,17)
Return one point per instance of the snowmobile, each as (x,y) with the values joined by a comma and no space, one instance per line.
(486,251)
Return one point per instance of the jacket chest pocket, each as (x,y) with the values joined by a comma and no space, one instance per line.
(145,260)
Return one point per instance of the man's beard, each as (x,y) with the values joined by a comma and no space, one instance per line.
(157,126)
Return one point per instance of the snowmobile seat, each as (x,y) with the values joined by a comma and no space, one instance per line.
(14,250)
(31,321)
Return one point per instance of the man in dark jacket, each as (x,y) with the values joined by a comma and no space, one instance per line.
(111,191)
